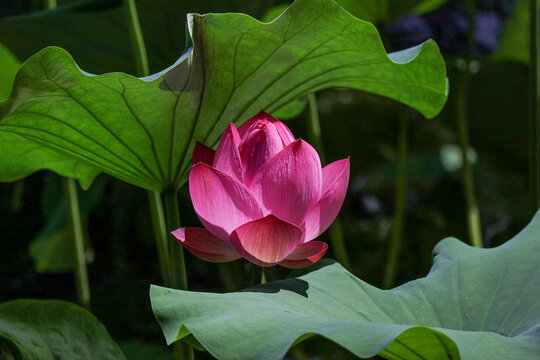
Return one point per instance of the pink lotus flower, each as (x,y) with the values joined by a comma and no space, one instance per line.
(263,196)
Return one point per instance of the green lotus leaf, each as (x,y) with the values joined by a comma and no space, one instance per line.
(475,304)
(143,130)
(54,330)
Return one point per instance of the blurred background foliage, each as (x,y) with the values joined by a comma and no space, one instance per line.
(36,259)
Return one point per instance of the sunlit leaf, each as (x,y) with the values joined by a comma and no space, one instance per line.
(54,330)
(475,304)
(143,130)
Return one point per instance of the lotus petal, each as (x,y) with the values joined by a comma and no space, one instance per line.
(305,255)
(260,144)
(335,181)
(266,241)
(203,153)
(204,245)
(221,202)
(290,183)
(227,157)
(285,134)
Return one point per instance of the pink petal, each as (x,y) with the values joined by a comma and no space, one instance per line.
(201,243)
(227,157)
(266,241)
(290,183)
(221,202)
(305,255)
(202,153)
(285,134)
(260,144)
(321,216)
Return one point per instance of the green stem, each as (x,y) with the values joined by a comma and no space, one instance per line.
(473,214)
(136,37)
(178,267)
(50,4)
(534,107)
(315,138)
(178,275)
(263,276)
(17,198)
(399,207)
(81,273)
(161,235)
(257,275)
(170,252)
(227,275)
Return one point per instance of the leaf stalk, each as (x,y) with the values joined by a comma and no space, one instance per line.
(74,213)
(399,203)
(337,239)
(473,214)
(534,107)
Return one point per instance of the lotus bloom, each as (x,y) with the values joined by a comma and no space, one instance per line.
(263,196)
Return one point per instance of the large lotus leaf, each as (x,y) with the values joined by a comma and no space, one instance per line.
(475,304)
(143,130)
(54,330)
(95,33)
(384,12)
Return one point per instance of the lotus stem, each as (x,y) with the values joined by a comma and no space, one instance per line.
(81,273)
(315,137)
(473,213)
(227,275)
(534,107)
(399,203)
(79,251)
(160,235)
(176,251)
(17,198)
(263,277)
(257,275)
(170,253)
(136,37)
(50,4)
(178,277)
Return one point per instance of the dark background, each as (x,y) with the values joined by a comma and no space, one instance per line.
(362,126)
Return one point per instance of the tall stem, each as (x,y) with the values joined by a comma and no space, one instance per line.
(81,273)
(171,254)
(227,275)
(178,278)
(315,137)
(178,267)
(50,4)
(136,37)
(473,214)
(399,207)
(534,106)
(161,235)
(79,252)
(257,275)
